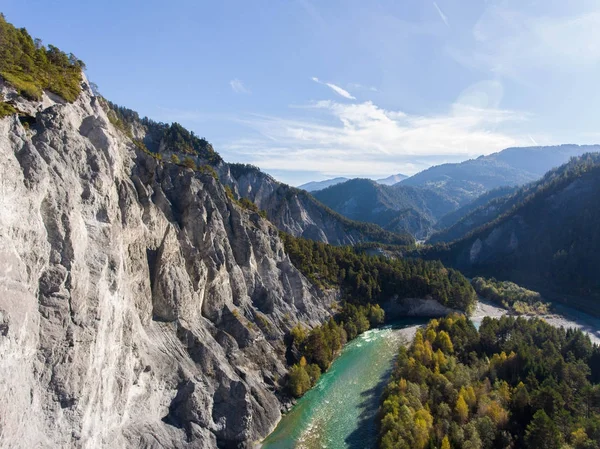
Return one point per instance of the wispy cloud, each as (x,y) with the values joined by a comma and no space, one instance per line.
(360,86)
(364,139)
(337,89)
(441,13)
(238,87)
(515,44)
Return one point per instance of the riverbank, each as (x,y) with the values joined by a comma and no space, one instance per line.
(563,316)
(340,411)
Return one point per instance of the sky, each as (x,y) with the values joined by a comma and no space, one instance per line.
(309,90)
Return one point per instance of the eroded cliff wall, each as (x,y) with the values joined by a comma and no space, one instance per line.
(139,306)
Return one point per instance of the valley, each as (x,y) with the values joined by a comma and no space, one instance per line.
(159,292)
(339,412)
(356,379)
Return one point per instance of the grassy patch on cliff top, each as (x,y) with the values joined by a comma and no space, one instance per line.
(30,67)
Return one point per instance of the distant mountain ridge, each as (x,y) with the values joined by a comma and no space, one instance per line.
(315,186)
(391,180)
(459,222)
(467,180)
(396,208)
(299,213)
(544,236)
(444,195)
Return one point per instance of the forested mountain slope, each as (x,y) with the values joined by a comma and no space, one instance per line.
(452,218)
(548,238)
(396,208)
(450,198)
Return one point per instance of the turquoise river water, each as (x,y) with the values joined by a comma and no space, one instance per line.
(339,412)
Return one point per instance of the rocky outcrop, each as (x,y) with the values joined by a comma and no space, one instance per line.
(298,213)
(417,307)
(139,305)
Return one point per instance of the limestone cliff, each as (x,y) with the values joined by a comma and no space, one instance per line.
(139,305)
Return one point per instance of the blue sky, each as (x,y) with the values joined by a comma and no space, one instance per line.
(310,89)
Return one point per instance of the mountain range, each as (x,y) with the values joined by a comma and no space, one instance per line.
(465,181)
(439,197)
(396,208)
(315,186)
(291,209)
(157,296)
(544,235)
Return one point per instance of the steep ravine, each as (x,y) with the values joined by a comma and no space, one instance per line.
(139,306)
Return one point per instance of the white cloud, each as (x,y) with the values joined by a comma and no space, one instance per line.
(364,139)
(519,45)
(441,13)
(238,87)
(337,89)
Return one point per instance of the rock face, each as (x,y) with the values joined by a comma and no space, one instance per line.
(397,307)
(139,306)
(298,213)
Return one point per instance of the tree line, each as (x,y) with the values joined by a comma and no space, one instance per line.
(315,350)
(365,281)
(30,67)
(162,136)
(510,296)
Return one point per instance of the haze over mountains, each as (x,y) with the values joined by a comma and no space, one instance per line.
(314,186)
(465,181)
(391,180)
(397,208)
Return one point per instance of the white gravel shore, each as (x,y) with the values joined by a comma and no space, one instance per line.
(567,318)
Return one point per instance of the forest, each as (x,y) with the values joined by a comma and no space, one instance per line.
(555,226)
(366,279)
(510,296)
(315,350)
(30,67)
(515,383)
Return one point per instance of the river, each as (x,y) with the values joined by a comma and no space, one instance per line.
(340,411)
